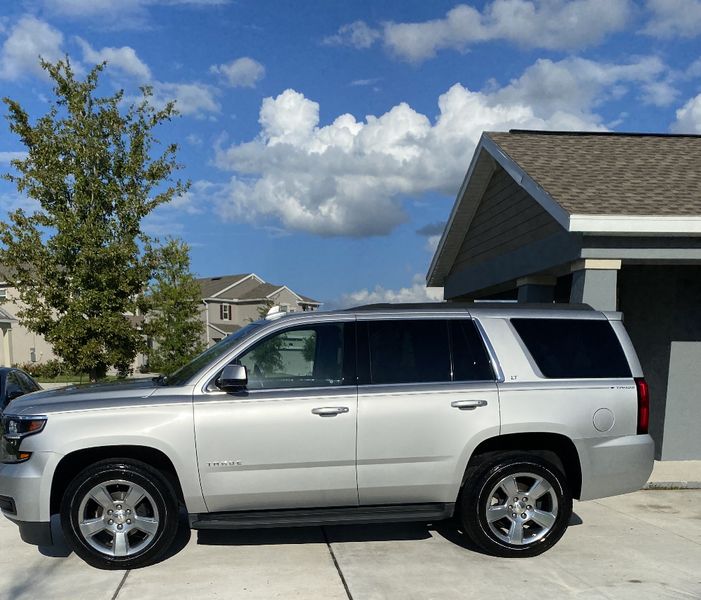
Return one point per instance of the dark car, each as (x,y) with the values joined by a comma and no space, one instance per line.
(13,384)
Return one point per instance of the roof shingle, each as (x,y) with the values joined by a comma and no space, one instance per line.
(611,174)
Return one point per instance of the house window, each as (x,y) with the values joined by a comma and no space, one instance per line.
(225,312)
(3,292)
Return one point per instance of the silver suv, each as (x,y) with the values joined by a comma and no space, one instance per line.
(498,414)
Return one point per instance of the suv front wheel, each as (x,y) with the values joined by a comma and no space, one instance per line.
(516,505)
(119,514)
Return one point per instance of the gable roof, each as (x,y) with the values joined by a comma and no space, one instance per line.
(595,183)
(210,286)
(246,286)
(611,173)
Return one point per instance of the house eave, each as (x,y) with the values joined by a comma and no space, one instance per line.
(636,224)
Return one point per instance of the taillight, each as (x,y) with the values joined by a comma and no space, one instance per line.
(643,405)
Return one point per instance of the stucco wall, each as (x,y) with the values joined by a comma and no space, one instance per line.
(662,305)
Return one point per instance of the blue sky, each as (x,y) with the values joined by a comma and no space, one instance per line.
(325,141)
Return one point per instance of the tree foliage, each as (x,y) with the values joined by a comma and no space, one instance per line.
(174,324)
(81,261)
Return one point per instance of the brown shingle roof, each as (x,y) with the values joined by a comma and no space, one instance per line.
(611,174)
(212,285)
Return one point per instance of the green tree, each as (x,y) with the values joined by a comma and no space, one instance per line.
(81,261)
(174,324)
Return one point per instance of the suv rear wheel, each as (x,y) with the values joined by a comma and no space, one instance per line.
(119,514)
(516,505)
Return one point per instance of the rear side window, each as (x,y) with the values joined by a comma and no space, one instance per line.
(573,348)
(470,360)
(409,351)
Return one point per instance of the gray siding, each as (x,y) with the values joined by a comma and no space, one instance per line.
(506,219)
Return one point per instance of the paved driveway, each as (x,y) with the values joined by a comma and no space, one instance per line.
(643,545)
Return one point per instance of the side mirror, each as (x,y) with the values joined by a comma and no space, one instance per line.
(233,378)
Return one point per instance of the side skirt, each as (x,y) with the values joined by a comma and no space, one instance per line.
(304,517)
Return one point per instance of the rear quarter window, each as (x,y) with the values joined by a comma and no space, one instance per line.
(573,348)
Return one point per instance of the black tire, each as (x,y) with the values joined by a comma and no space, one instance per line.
(158,508)
(477,496)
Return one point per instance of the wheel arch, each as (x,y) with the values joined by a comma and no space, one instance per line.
(73,463)
(554,447)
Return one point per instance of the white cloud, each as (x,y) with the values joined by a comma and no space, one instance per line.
(195,99)
(9,202)
(242,72)
(416,292)
(689,117)
(550,24)
(116,14)
(357,34)
(123,59)
(28,40)
(673,18)
(6,157)
(193,139)
(350,177)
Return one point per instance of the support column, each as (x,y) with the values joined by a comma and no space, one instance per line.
(536,288)
(594,282)
(7,346)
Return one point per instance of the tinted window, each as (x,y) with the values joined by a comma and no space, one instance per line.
(302,357)
(470,359)
(571,348)
(12,386)
(409,351)
(27,382)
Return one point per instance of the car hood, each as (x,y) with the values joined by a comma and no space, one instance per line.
(82,397)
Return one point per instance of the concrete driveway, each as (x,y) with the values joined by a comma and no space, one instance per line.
(642,545)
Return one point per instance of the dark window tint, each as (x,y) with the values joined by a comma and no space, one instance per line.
(27,382)
(409,351)
(470,360)
(571,348)
(315,356)
(13,387)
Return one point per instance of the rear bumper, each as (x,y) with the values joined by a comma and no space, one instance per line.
(612,466)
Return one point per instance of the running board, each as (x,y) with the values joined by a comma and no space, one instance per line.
(304,517)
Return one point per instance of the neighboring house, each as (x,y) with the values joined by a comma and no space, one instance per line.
(19,345)
(611,220)
(232,301)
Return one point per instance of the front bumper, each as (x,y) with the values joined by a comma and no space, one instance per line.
(28,487)
(612,466)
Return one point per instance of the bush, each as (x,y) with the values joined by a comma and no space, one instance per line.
(47,370)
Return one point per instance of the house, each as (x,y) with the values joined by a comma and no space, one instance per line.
(612,220)
(232,301)
(19,345)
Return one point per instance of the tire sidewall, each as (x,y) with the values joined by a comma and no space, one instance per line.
(151,481)
(475,503)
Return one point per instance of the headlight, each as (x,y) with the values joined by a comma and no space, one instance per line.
(13,430)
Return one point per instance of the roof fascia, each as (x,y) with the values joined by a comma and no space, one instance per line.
(637,224)
(284,287)
(431,276)
(522,178)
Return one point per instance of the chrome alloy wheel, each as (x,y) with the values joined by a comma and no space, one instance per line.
(522,509)
(118,518)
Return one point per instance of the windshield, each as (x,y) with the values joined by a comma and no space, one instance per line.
(185,373)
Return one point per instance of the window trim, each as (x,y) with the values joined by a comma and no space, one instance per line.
(209,387)
(225,307)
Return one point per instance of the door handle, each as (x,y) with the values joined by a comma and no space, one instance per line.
(468,404)
(329,411)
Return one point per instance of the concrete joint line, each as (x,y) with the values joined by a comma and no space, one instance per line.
(121,584)
(335,564)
